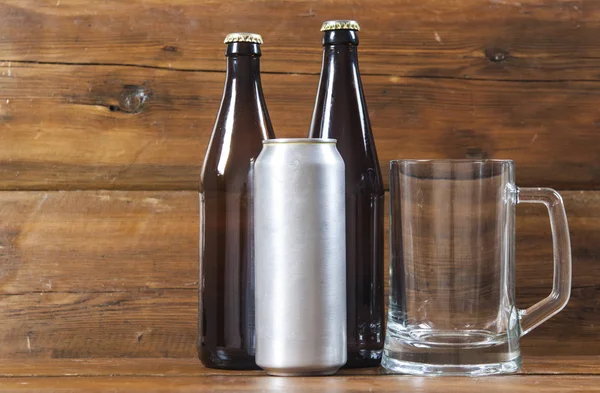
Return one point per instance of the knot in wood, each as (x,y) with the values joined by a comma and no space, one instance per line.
(495,55)
(133,98)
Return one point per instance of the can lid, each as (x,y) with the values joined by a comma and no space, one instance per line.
(340,25)
(243,37)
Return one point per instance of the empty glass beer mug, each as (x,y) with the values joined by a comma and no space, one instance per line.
(452,267)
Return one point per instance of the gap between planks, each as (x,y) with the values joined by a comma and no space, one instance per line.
(191,70)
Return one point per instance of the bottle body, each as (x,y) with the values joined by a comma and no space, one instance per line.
(341,113)
(300,257)
(226,298)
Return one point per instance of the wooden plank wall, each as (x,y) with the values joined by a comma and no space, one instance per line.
(106,109)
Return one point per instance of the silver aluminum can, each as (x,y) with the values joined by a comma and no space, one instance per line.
(300,257)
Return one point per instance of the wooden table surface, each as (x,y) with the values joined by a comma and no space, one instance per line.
(539,374)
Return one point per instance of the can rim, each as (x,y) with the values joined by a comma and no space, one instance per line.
(310,141)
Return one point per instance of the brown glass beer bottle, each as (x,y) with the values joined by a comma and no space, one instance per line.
(226,306)
(341,113)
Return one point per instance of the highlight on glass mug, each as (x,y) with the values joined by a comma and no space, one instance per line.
(452,267)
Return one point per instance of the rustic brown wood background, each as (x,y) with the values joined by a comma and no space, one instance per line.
(106,109)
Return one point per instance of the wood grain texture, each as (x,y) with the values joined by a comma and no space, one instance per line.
(114,274)
(534,270)
(97,241)
(519,40)
(163,323)
(538,374)
(116,127)
(150,323)
(92,274)
(395,384)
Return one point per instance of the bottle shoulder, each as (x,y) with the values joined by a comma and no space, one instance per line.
(342,114)
(230,178)
(228,160)
(232,157)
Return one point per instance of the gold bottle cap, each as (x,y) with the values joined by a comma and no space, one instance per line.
(340,25)
(243,37)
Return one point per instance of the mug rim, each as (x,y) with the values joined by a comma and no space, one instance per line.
(452,161)
(451,169)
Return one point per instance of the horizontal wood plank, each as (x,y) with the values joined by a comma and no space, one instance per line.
(97,241)
(163,323)
(152,323)
(141,240)
(519,40)
(115,127)
(114,274)
(387,383)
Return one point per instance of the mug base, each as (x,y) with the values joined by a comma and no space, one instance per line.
(473,370)
(474,352)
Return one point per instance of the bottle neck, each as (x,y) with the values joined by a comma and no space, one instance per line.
(341,60)
(340,51)
(243,71)
(243,102)
(243,68)
(340,37)
(340,110)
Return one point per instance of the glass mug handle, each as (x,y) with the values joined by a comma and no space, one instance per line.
(540,312)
